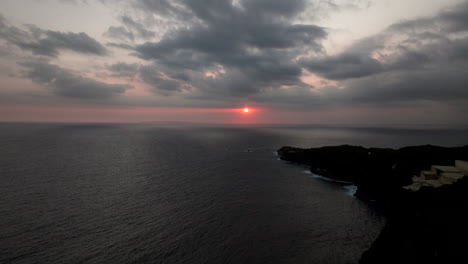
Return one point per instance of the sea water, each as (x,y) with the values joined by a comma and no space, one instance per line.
(146,193)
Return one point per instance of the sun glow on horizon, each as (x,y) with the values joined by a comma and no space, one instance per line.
(246,110)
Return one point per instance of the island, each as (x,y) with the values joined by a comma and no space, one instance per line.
(420,189)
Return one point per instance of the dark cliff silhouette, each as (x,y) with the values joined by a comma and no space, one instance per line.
(427,226)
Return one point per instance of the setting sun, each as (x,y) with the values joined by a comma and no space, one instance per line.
(246,110)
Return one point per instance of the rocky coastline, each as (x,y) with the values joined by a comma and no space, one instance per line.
(422,227)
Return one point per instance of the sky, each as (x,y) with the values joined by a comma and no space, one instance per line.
(341,62)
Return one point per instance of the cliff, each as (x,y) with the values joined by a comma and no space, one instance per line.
(379,173)
(427,226)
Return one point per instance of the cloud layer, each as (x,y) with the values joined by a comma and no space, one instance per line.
(271,53)
(47,42)
(413,60)
(254,42)
(65,83)
(252,48)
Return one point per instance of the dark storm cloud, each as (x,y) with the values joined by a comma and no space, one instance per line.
(451,20)
(47,42)
(165,83)
(79,42)
(252,40)
(460,50)
(160,82)
(64,83)
(268,7)
(354,64)
(256,49)
(439,84)
(122,69)
(344,66)
(252,47)
(424,59)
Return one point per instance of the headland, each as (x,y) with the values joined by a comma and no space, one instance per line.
(419,187)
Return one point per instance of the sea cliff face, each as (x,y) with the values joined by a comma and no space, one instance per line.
(379,173)
(427,226)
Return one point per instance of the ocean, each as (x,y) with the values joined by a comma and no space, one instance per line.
(174,193)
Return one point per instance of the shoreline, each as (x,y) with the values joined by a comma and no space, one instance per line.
(423,226)
(348,186)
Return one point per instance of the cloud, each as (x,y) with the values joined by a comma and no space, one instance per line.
(47,42)
(119,33)
(344,66)
(122,69)
(451,20)
(130,31)
(219,52)
(65,83)
(255,42)
(251,50)
(160,82)
(423,59)
(436,84)
(120,46)
(139,29)
(167,8)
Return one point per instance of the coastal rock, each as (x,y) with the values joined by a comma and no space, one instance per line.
(427,226)
(379,173)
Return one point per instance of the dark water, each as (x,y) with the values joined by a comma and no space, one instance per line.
(167,194)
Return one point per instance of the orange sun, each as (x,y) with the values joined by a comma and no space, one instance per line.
(246,110)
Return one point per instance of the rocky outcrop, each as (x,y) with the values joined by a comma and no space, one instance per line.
(379,173)
(427,226)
